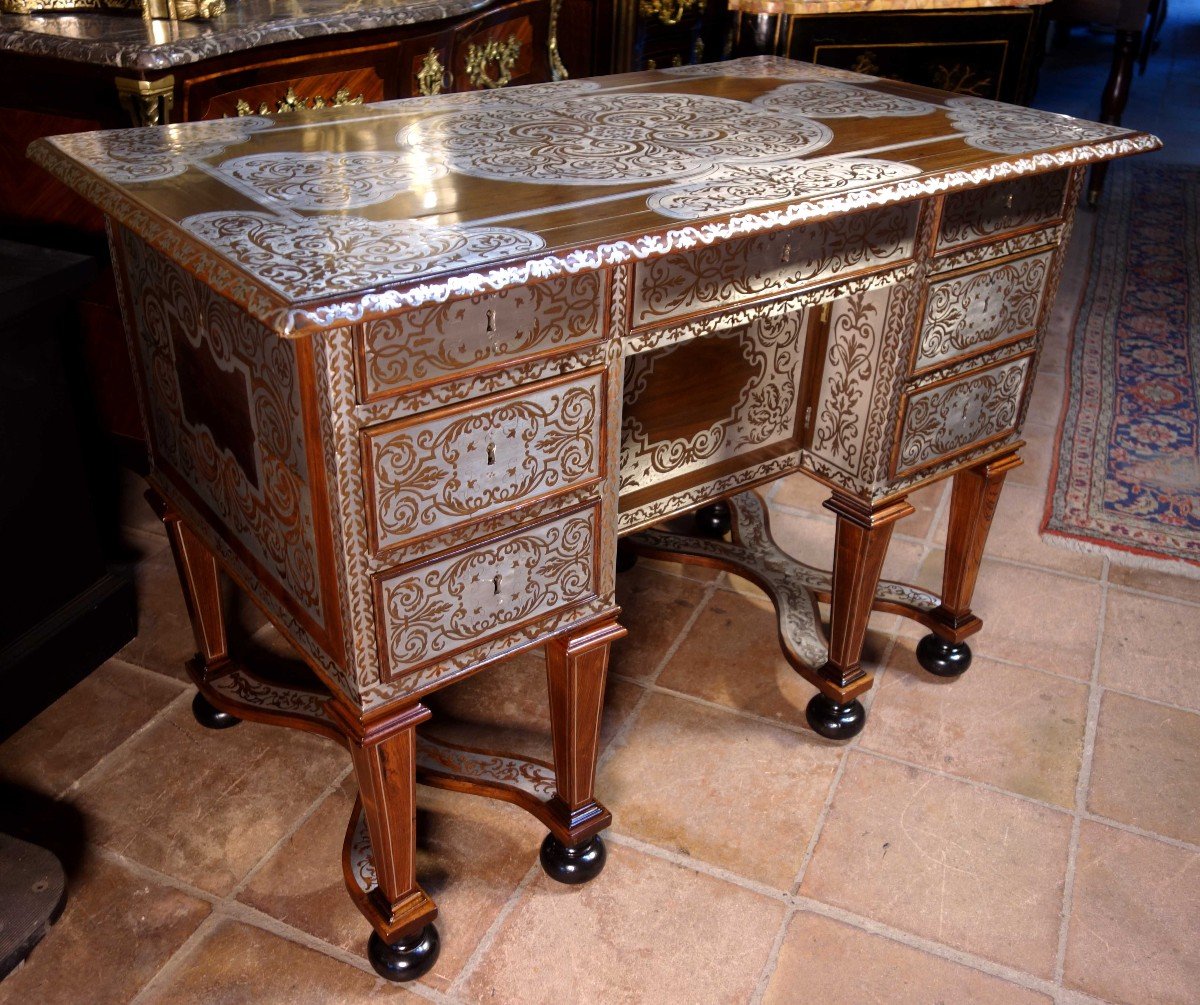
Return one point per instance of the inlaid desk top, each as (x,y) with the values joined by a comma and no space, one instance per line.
(342,215)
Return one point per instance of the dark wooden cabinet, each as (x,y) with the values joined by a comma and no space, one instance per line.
(990,52)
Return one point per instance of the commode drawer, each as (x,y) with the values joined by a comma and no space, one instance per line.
(453,339)
(770,265)
(433,472)
(429,612)
(986,213)
(967,313)
(950,417)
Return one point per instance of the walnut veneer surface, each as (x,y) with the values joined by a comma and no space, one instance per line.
(410,368)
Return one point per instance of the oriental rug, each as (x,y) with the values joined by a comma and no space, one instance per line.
(1127,477)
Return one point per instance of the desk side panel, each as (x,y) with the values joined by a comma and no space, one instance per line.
(225,413)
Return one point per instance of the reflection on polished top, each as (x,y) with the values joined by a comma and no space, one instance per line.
(804,8)
(326,218)
(122,40)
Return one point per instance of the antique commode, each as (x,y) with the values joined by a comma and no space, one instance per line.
(409,369)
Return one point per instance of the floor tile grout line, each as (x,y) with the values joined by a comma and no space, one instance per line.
(1083,782)
(248,915)
(177,959)
(144,671)
(291,831)
(484,945)
(102,766)
(648,683)
(1160,702)
(772,962)
(157,875)
(982,964)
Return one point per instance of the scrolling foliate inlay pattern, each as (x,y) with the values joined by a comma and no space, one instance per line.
(329,180)
(768,265)
(434,611)
(770,350)
(971,312)
(434,475)
(767,66)
(732,188)
(821,100)
(612,138)
(145,154)
(951,417)
(188,337)
(1010,129)
(979,214)
(432,342)
(293,255)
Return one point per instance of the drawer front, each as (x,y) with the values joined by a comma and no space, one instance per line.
(951,417)
(985,213)
(430,612)
(460,337)
(971,312)
(771,265)
(427,475)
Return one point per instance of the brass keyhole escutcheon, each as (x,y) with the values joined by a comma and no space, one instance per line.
(491,322)
(496,584)
(491,453)
(787,254)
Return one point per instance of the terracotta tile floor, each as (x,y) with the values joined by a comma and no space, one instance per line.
(1029,833)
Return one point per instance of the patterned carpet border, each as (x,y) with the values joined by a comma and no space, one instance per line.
(1127,472)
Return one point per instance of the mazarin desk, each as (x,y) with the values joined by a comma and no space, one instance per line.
(410,369)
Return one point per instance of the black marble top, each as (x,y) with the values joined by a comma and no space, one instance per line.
(130,42)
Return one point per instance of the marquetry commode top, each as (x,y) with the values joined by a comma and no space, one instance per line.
(408,370)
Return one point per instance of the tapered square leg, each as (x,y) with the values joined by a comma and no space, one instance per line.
(576,669)
(973,502)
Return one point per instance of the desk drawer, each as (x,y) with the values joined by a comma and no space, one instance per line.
(771,265)
(986,213)
(949,417)
(967,313)
(441,341)
(429,474)
(430,612)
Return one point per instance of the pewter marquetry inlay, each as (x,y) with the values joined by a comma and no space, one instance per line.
(430,613)
(611,139)
(767,66)
(974,310)
(835,100)
(327,180)
(446,470)
(322,256)
(1009,129)
(950,417)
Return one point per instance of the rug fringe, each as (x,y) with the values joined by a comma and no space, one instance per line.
(1118,556)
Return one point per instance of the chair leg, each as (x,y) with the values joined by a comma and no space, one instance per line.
(1112,102)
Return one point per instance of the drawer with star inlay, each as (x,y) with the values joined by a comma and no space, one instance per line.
(439,471)
(765,266)
(457,338)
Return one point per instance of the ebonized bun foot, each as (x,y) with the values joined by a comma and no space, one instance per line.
(713,520)
(942,658)
(834,721)
(209,716)
(573,865)
(407,959)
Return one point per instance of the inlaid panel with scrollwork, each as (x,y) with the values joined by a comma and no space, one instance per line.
(461,336)
(771,264)
(462,464)
(431,612)
(973,311)
(987,212)
(951,417)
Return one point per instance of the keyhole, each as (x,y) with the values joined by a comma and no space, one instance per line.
(491,321)
(496,585)
(787,253)
(1008,203)
(491,453)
